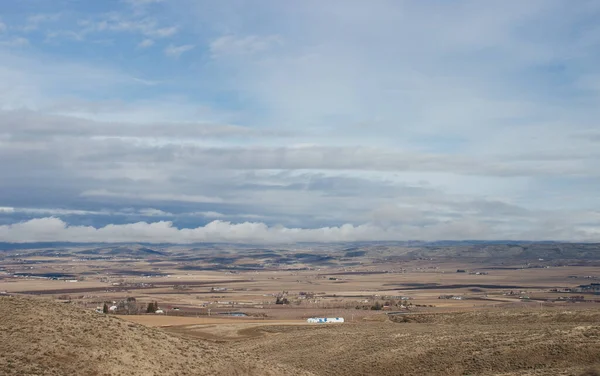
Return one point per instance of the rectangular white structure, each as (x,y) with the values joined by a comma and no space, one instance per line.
(325,320)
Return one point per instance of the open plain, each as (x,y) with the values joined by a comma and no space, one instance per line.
(458,309)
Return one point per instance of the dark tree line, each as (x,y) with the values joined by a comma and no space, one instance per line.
(152,307)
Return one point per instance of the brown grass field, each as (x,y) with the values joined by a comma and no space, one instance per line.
(511,316)
(40,337)
(433,349)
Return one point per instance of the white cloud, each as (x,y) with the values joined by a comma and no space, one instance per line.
(176,51)
(54,229)
(164,32)
(146,43)
(45,17)
(14,42)
(118,22)
(31,123)
(150,212)
(60,212)
(25,81)
(145,82)
(152,196)
(207,214)
(147,212)
(246,45)
(213,214)
(65,34)
(34,21)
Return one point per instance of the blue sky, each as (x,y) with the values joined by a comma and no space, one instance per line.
(280,121)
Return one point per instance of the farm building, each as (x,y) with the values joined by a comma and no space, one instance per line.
(592,287)
(325,320)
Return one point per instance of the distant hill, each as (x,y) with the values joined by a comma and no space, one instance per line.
(130,251)
(324,254)
(41,337)
(511,251)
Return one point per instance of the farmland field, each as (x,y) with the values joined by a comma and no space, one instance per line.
(486,313)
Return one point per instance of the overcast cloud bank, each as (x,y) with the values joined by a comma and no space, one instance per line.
(52,229)
(321,121)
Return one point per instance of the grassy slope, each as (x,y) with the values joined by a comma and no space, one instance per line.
(40,337)
(452,345)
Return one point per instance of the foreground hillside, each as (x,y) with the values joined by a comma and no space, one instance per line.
(40,337)
(487,343)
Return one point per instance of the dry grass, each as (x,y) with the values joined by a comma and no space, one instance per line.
(505,316)
(591,372)
(497,343)
(40,337)
(159,320)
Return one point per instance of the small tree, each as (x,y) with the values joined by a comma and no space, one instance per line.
(376,307)
(105,308)
(131,306)
(151,308)
(282,300)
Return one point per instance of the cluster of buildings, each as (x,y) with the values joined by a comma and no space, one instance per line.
(591,288)
(454,297)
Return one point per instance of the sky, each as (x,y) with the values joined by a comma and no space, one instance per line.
(274,121)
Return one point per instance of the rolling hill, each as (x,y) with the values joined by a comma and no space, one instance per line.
(41,337)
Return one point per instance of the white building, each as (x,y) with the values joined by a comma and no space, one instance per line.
(325,320)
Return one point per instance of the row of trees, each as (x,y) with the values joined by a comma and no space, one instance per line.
(378,306)
(130,307)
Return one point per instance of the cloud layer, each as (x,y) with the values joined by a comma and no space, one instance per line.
(293,121)
(52,229)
